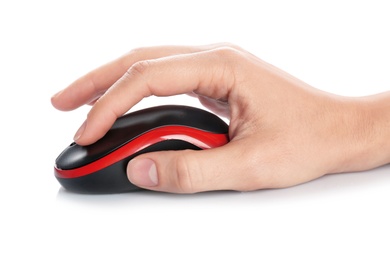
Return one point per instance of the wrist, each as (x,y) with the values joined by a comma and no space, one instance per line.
(368,143)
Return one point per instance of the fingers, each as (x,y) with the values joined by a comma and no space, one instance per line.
(91,86)
(189,171)
(208,73)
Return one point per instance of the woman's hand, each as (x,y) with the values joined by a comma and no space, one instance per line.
(283,132)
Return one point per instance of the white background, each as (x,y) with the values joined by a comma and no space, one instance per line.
(337,46)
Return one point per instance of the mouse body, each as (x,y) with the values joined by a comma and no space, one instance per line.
(101,166)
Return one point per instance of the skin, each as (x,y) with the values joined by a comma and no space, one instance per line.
(283,132)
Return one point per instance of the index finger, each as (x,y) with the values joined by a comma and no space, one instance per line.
(208,73)
(91,86)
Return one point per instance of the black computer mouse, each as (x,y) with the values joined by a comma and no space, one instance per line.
(101,166)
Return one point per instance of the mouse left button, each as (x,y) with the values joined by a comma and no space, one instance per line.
(72,157)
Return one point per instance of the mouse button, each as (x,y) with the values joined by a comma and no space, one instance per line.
(199,118)
(143,120)
(75,156)
(207,121)
(175,115)
(168,145)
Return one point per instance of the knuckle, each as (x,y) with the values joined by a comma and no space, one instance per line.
(139,68)
(184,175)
(138,50)
(227,45)
(228,57)
(232,46)
(228,70)
(226,52)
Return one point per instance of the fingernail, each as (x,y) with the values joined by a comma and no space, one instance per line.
(142,172)
(80,131)
(57,94)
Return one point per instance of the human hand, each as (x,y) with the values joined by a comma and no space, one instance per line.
(283,132)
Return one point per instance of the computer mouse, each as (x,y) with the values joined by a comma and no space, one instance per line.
(101,166)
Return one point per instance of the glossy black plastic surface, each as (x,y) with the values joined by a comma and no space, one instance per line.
(129,126)
(113,179)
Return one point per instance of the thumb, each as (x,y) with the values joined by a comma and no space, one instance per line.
(187,171)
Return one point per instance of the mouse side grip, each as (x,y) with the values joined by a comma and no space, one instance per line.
(113,179)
